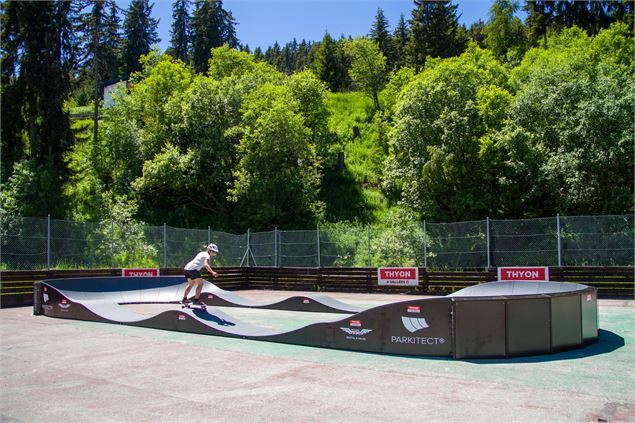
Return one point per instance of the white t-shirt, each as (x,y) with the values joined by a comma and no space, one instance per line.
(197,262)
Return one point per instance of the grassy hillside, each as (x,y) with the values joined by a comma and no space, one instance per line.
(351,192)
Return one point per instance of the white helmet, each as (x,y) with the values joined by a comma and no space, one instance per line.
(212,247)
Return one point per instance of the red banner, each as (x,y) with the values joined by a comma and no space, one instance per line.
(523,273)
(398,276)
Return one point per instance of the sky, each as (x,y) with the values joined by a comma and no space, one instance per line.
(260,23)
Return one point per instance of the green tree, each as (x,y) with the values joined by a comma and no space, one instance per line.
(504,34)
(476,33)
(38,56)
(434,32)
(379,34)
(212,26)
(181,37)
(537,22)
(573,111)
(140,33)
(330,64)
(278,177)
(310,93)
(400,38)
(436,140)
(111,48)
(368,67)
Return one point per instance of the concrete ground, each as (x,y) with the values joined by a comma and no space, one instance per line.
(55,370)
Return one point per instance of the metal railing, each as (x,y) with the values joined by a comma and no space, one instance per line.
(45,243)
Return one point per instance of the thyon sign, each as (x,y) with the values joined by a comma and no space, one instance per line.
(523,273)
(139,272)
(398,276)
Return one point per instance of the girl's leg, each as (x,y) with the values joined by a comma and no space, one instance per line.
(199,288)
(190,284)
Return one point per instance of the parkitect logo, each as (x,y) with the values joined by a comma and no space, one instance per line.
(412,325)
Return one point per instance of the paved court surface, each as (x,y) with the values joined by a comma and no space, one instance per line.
(54,370)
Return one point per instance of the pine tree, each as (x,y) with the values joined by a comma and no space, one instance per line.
(38,56)
(112,44)
(212,27)
(380,34)
(504,31)
(92,30)
(180,42)
(331,64)
(228,28)
(258,55)
(476,33)
(140,31)
(434,32)
(400,42)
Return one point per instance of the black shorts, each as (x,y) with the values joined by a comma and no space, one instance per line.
(192,274)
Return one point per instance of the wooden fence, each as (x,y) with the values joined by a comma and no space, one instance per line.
(16,287)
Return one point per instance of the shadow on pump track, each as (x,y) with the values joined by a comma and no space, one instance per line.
(608,342)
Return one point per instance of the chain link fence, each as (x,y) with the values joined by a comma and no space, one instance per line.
(37,243)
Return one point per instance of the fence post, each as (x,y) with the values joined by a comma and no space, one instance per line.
(488,243)
(425,246)
(112,243)
(559,248)
(48,242)
(165,245)
(368,234)
(318,246)
(275,246)
(209,235)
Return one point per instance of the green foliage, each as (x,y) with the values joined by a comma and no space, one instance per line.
(435,141)
(368,67)
(399,241)
(130,242)
(212,27)
(380,35)
(504,35)
(331,64)
(311,95)
(396,81)
(278,176)
(574,106)
(434,32)
(140,33)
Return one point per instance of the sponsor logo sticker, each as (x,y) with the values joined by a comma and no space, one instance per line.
(181,316)
(64,305)
(414,309)
(306,301)
(360,332)
(355,323)
(356,334)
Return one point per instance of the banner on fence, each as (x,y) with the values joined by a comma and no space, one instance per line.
(139,272)
(398,276)
(523,273)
